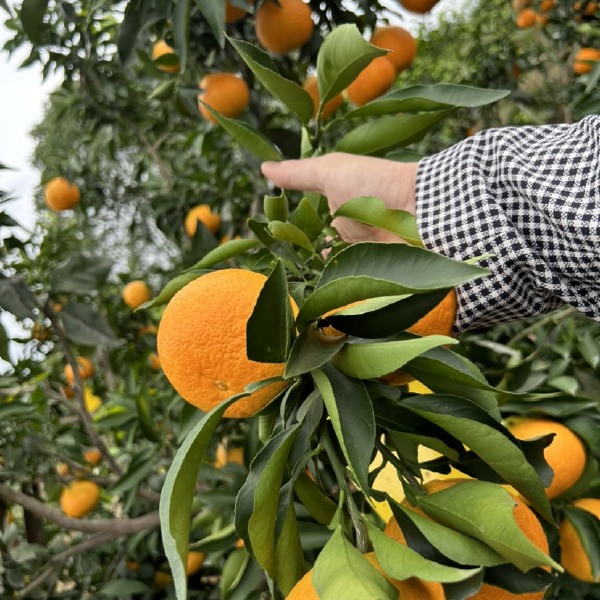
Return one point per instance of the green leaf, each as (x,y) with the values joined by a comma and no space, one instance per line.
(16,298)
(453,544)
(233,571)
(179,491)
(311,350)
(4,353)
(286,232)
(349,407)
(256,505)
(401,562)
(376,359)
(268,330)
(372,211)
(387,133)
(341,571)
(467,506)
(246,136)
(32,17)
(276,208)
(133,22)
(166,89)
(342,56)
(123,588)
(385,316)
(371,269)
(224,252)
(214,13)
(589,349)
(320,507)
(289,92)
(147,424)
(307,219)
(173,286)
(587,529)
(477,430)
(79,274)
(181,29)
(87,327)
(140,467)
(422,98)
(510,578)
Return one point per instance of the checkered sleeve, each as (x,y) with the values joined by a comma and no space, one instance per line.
(531,197)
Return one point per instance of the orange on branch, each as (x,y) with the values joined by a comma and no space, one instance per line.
(566,455)
(419,6)
(135,293)
(224,456)
(202,343)
(572,553)
(233,13)
(226,93)
(80,498)
(526,18)
(86,370)
(283,26)
(203,213)
(584,60)
(304,589)
(61,195)
(400,42)
(373,81)
(161,48)
(195,560)
(311,85)
(93,456)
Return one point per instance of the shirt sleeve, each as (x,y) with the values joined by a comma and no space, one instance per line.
(531,197)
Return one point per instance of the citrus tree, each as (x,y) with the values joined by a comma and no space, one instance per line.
(336,440)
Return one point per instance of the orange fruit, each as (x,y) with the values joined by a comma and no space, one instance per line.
(519,5)
(60,195)
(572,554)
(547,5)
(93,456)
(304,589)
(526,520)
(584,59)
(195,560)
(202,343)
(211,220)
(566,454)
(588,10)
(161,48)
(233,13)
(226,93)
(154,361)
(373,81)
(79,498)
(526,18)
(311,85)
(419,6)
(86,370)
(39,333)
(135,293)
(224,456)
(160,580)
(400,42)
(283,27)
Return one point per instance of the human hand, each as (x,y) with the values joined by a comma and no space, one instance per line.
(341,177)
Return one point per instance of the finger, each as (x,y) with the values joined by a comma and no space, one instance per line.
(305,174)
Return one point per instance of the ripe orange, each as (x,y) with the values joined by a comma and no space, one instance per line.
(547,5)
(304,589)
(226,93)
(572,554)
(401,43)
(86,370)
(79,498)
(203,213)
(59,194)
(584,59)
(419,6)
(233,13)
(526,520)
(284,27)
(93,456)
(373,81)
(588,10)
(566,454)
(311,85)
(224,456)
(202,343)
(526,18)
(154,361)
(161,48)
(135,293)
(195,560)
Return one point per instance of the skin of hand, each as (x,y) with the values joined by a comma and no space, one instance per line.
(341,177)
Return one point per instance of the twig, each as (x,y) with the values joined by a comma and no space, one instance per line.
(116,526)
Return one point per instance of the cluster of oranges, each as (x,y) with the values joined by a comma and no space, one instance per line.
(283,27)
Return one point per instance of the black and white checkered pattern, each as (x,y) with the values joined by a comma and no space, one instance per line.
(530,196)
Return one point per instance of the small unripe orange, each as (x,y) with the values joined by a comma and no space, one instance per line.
(61,195)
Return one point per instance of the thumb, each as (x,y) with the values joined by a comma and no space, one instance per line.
(303,174)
